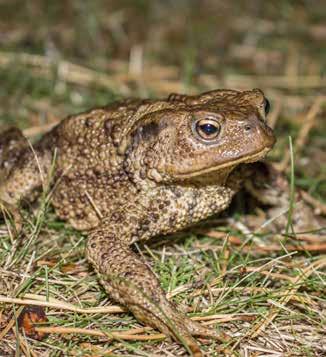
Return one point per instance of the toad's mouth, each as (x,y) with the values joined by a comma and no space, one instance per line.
(244,159)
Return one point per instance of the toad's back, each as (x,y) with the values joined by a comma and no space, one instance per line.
(109,156)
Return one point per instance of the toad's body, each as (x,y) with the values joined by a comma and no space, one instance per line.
(137,169)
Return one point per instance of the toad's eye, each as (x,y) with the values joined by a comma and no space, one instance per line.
(207,129)
(267,106)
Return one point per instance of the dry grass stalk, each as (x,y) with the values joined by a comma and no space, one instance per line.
(62,306)
(287,296)
(131,335)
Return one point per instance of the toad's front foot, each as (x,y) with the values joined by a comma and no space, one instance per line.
(130,282)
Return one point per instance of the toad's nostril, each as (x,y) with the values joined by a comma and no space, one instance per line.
(247,127)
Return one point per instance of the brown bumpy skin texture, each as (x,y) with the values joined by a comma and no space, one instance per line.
(138,169)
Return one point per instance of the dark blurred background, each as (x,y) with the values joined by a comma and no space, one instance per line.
(211,34)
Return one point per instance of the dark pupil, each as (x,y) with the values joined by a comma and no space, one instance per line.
(267,106)
(208,129)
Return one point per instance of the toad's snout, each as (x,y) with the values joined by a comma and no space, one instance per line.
(260,133)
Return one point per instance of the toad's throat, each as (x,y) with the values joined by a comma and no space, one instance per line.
(244,159)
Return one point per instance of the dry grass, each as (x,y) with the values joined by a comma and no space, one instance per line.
(266,290)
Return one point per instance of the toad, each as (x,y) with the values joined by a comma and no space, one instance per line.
(137,169)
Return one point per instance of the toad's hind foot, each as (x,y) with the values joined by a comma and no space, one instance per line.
(130,282)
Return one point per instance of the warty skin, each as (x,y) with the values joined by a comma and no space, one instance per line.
(137,169)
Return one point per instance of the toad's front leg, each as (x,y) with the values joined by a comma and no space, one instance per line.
(270,187)
(130,282)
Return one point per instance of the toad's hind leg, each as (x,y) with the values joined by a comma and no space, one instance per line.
(130,282)
(22,170)
(12,144)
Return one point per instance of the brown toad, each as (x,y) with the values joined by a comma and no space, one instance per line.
(137,169)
